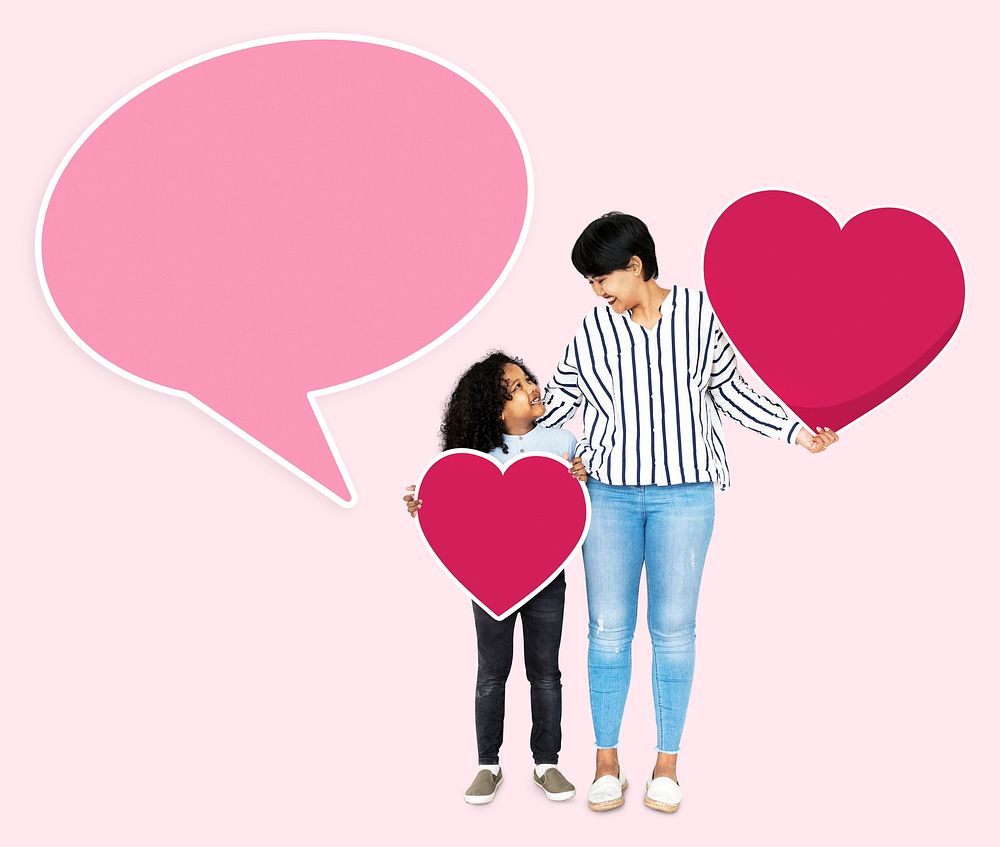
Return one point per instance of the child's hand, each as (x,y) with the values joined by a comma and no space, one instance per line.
(817,443)
(412,506)
(578,470)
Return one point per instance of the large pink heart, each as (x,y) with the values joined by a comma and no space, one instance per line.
(834,320)
(502,532)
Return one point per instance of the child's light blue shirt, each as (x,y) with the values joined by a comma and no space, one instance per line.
(540,440)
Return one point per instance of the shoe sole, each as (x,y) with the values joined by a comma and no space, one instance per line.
(558,796)
(661,807)
(483,799)
(608,805)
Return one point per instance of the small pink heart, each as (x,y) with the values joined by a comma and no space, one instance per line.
(502,532)
(834,320)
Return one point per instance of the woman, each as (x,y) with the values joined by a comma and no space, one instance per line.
(653,370)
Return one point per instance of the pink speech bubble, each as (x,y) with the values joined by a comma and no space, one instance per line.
(280,220)
(465,497)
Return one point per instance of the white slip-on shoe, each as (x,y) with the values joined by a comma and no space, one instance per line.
(663,794)
(606,793)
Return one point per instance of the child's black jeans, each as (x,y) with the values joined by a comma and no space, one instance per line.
(541,624)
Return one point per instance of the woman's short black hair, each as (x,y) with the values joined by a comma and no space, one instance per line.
(609,243)
(472,414)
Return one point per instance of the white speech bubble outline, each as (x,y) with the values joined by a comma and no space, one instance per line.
(503,468)
(314,394)
(742,359)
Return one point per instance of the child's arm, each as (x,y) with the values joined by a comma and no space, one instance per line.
(578,470)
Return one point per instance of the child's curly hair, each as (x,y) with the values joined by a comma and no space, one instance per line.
(472,415)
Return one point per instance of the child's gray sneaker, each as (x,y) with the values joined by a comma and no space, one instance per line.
(555,785)
(483,788)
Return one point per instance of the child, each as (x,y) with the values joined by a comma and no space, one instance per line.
(493,408)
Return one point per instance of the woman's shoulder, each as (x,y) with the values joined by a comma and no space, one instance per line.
(597,317)
(691,294)
(694,299)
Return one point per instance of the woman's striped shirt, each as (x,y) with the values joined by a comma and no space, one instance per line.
(652,397)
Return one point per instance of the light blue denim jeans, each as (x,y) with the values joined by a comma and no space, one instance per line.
(668,527)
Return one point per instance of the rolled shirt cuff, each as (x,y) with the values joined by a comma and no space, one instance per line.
(791,430)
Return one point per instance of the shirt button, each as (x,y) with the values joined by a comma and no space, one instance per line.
(520,438)
(522,449)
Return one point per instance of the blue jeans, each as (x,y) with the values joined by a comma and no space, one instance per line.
(668,527)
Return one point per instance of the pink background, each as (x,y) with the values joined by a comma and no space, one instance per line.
(198,648)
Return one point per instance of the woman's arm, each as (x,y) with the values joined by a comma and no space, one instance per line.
(733,397)
(562,394)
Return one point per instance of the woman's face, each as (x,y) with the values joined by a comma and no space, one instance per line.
(621,290)
(525,404)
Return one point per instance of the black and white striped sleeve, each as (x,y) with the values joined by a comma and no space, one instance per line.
(563,393)
(733,397)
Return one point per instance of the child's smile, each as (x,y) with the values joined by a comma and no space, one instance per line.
(524,404)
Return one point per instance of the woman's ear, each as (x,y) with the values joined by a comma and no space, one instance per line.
(635,265)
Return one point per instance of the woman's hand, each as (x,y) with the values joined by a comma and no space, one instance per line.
(412,505)
(578,470)
(817,443)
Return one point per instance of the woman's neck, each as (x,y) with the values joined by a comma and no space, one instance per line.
(647,310)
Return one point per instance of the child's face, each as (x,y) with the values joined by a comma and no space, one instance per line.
(525,402)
